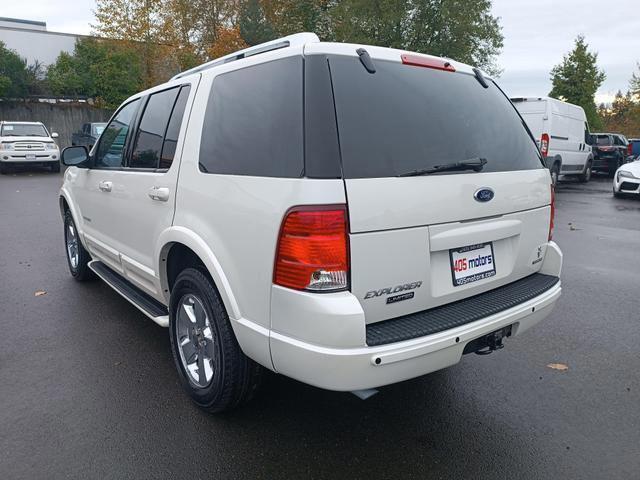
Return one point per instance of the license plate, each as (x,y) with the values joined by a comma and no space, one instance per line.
(472,263)
(31,156)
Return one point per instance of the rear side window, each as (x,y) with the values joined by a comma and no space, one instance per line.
(150,137)
(254,121)
(404,118)
(173,130)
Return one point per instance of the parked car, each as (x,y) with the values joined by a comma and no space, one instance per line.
(349,227)
(562,133)
(634,148)
(627,179)
(27,143)
(88,135)
(610,152)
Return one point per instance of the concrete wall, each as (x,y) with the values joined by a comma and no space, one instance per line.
(63,118)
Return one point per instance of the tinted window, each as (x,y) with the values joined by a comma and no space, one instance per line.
(253,122)
(112,142)
(405,118)
(150,135)
(604,140)
(173,130)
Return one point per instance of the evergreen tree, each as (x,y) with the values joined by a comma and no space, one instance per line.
(253,23)
(577,79)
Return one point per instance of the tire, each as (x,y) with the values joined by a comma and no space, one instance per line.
(617,194)
(4,169)
(555,173)
(77,257)
(55,167)
(199,328)
(586,176)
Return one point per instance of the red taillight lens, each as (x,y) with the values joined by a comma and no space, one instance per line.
(629,149)
(312,252)
(553,212)
(544,145)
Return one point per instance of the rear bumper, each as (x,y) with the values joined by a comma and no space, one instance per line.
(370,367)
(355,368)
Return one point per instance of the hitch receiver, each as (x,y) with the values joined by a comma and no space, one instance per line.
(488,343)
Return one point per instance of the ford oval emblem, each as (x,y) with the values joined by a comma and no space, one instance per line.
(483,194)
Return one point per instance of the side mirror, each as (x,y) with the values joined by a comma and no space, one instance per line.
(76,156)
(54,135)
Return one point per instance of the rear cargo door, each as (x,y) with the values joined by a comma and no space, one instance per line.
(418,238)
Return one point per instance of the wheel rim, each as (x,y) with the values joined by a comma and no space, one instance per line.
(72,246)
(194,337)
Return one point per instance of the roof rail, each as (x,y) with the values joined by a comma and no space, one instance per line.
(284,42)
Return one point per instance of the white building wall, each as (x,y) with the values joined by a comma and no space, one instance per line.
(38,45)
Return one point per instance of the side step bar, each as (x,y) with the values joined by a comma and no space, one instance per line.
(148,305)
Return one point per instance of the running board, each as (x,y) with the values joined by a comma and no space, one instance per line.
(148,305)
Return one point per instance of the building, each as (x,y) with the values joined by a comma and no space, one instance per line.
(32,41)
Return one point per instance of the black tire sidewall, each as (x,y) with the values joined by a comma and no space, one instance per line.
(82,271)
(218,395)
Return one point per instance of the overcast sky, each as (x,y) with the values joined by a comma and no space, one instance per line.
(537,34)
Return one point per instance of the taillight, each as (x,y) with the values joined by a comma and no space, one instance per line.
(629,148)
(312,252)
(553,212)
(544,145)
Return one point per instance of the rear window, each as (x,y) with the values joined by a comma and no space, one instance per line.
(254,121)
(603,140)
(405,118)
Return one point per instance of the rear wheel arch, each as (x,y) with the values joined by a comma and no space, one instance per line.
(181,249)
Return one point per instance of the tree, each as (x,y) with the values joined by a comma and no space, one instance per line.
(105,70)
(253,23)
(634,83)
(577,79)
(13,74)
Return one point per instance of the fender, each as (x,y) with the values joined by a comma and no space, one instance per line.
(176,234)
(66,195)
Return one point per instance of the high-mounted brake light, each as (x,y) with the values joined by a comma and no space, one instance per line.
(312,252)
(420,61)
(544,145)
(553,212)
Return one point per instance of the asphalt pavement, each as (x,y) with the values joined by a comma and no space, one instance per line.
(88,387)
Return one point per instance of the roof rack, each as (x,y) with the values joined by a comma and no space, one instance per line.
(284,42)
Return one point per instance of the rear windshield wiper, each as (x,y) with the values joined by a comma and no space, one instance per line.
(475,164)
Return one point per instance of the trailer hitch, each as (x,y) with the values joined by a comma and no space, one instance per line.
(488,343)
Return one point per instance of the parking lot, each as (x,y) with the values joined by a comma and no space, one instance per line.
(88,387)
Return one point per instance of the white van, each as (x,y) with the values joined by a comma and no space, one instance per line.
(562,133)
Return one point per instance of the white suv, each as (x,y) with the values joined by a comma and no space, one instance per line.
(349,216)
(28,143)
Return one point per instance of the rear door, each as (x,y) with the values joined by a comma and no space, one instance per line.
(425,240)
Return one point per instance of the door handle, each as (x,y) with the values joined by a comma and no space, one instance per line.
(105,186)
(161,194)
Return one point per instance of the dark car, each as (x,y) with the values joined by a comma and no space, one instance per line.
(89,134)
(610,150)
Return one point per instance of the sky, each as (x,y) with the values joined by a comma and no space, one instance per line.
(536,36)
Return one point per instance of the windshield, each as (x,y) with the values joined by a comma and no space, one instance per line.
(404,118)
(603,140)
(98,129)
(23,130)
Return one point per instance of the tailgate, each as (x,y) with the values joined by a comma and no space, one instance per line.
(404,245)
